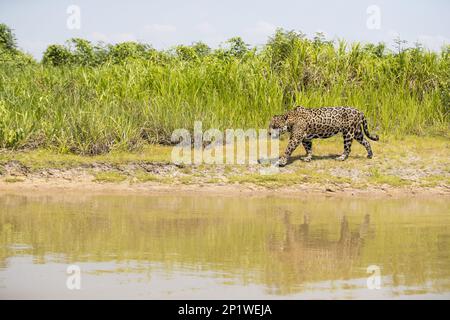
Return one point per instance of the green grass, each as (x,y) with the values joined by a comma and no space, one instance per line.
(287,179)
(143,176)
(214,181)
(186,180)
(379,178)
(435,180)
(51,158)
(117,106)
(111,177)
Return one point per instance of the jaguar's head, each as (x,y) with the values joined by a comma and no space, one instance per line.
(278,125)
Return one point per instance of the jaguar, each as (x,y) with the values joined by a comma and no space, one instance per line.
(305,124)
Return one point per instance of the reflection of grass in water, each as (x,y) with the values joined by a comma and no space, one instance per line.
(257,239)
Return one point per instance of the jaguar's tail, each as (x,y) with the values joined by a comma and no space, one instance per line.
(366,130)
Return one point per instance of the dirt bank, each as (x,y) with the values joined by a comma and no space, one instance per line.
(168,178)
(412,166)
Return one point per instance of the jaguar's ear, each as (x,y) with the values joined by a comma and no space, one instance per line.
(285,117)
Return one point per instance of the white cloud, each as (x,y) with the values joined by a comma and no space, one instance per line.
(392,34)
(122,37)
(160,28)
(205,27)
(112,38)
(98,36)
(433,42)
(325,34)
(262,29)
(160,36)
(33,47)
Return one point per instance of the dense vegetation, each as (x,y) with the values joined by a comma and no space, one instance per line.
(88,99)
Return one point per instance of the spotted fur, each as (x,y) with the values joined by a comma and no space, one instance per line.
(306,124)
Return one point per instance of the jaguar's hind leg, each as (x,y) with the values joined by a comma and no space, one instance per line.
(348,138)
(307,144)
(359,136)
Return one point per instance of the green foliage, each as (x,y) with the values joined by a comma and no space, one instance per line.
(10,136)
(128,50)
(90,99)
(194,52)
(7,38)
(57,55)
(201,49)
(281,45)
(81,52)
(237,47)
(186,53)
(8,48)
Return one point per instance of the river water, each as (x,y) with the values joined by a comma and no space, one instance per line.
(82,245)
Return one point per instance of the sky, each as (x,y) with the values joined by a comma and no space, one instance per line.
(165,23)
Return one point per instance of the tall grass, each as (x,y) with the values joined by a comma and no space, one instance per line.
(95,99)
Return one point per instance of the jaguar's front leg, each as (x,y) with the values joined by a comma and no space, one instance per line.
(294,141)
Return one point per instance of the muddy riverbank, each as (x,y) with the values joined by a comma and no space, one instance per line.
(412,166)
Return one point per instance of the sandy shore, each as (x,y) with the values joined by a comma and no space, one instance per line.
(219,189)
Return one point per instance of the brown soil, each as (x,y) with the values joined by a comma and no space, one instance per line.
(16,177)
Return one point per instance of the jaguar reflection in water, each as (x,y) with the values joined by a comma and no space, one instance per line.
(175,247)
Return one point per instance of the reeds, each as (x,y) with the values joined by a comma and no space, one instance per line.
(99,98)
